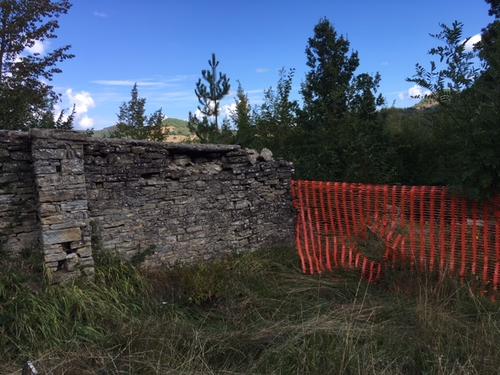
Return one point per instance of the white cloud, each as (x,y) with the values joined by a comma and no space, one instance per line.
(417,91)
(100,14)
(228,110)
(262,70)
(37,47)
(82,102)
(472,41)
(86,122)
(414,92)
(198,114)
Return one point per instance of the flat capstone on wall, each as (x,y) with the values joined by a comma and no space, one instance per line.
(68,196)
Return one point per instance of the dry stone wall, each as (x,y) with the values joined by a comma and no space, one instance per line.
(163,203)
(62,204)
(18,222)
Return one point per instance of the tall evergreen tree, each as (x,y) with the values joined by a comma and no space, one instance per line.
(209,94)
(242,119)
(26,98)
(327,84)
(133,123)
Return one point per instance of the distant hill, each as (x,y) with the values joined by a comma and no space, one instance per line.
(178,130)
(180,126)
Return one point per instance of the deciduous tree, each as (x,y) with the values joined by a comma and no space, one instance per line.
(26,97)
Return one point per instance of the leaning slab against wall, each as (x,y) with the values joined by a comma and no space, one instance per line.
(70,196)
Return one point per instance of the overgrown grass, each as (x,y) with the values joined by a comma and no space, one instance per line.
(248,314)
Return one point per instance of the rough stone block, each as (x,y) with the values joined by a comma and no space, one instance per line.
(60,236)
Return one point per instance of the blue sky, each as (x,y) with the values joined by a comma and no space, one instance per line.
(164,44)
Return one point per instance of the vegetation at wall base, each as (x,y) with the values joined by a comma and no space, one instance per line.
(252,313)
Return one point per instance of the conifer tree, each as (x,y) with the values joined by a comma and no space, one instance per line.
(327,84)
(26,97)
(214,87)
(245,131)
(133,123)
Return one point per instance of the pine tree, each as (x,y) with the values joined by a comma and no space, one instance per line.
(133,123)
(26,99)
(209,96)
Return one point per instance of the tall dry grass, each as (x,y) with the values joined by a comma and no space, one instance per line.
(248,314)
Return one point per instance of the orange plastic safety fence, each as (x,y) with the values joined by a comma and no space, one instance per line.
(373,227)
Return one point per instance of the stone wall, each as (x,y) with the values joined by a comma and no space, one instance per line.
(62,203)
(18,223)
(164,203)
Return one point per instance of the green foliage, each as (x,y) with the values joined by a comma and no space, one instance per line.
(458,71)
(209,94)
(450,138)
(27,99)
(363,101)
(338,133)
(328,82)
(276,118)
(133,123)
(242,119)
(465,131)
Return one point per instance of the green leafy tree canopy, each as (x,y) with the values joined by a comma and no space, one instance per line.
(26,97)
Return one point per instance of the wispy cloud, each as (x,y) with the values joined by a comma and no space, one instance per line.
(129,82)
(100,14)
(146,82)
(173,96)
(255,91)
(262,70)
(180,78)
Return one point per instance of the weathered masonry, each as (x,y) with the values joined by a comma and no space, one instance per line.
(67,195)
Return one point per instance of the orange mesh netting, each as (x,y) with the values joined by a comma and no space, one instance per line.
(373,227)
